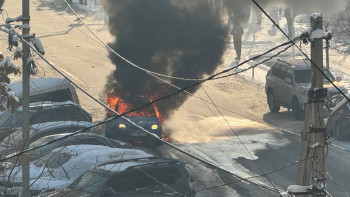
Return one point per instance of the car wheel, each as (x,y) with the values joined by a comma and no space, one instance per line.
(337,132)
(297,111)
(272,102)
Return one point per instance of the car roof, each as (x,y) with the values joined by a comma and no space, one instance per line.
(297,64)
(129,164)
(60,124)
(80,136)
(49,104)
(40,85)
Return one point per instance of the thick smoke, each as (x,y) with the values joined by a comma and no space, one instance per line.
(173,37)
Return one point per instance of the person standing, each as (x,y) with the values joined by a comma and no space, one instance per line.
(237,33)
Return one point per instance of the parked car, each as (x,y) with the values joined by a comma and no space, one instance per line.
(338,121)
(287,84)
(47,89)
(123,130)
(79,139)
(64,165)
(37,131)
(141,177)
(41,112)
(331,103)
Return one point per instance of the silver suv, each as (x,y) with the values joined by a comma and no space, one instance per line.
(287,84)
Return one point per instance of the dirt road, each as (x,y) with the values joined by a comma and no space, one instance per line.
(196,126)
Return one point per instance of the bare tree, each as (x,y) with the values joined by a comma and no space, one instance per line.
(341,24)
(8,99)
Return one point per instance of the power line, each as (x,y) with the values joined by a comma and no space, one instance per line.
(122,116)
(312,63)
(257,176)
(221,114)
(123,58)
(229,110)
(92,126)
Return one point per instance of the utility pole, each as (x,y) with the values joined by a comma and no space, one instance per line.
(25,97)
(314,133)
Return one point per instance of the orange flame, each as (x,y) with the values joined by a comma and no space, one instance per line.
(121,106)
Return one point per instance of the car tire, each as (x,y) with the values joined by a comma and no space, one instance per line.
(337,132)
(297,111)
(271,101)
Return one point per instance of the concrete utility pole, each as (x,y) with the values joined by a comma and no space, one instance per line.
(25,97)
(314,133)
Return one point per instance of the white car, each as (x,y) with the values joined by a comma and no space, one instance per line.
(64,165)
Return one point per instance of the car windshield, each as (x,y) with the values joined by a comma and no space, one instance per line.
(123,106)
(304,76)
(16,137)
(53,160)
(90,182)
(11,119)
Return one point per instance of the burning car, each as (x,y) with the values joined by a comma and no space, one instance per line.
(148,118)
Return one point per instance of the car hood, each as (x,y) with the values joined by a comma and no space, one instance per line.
(142,121)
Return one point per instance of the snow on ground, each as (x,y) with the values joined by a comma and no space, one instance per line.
(254,45)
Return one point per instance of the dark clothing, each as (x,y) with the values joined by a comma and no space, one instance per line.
(237,33)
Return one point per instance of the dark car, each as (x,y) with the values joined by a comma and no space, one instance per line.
(42,112)
(121,129)
(139,177)
(79,139)
(338,121)
(38,131)
(331,103)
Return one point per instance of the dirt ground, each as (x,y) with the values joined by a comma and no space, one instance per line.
(73,49)
(79,55)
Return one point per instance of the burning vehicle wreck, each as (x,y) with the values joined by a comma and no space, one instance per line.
(148,118)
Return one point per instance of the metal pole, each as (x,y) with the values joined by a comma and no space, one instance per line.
(25,99)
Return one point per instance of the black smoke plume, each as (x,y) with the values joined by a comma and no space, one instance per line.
(174,37)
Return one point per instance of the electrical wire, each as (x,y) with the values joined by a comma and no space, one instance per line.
(257,176)
(123,58)
(209,102)
(221,114)
(122,116)
(307,57)
(191,86)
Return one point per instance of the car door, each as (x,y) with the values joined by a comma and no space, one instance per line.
(286,89)
(274,79)
(281,74)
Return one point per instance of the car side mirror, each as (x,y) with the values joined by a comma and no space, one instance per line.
(338,78)
(288,80)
